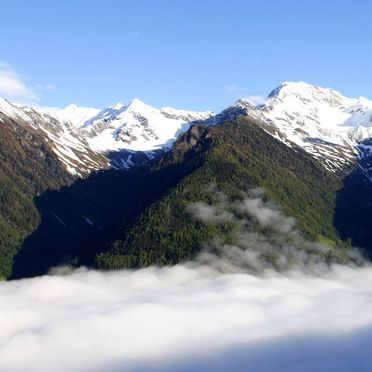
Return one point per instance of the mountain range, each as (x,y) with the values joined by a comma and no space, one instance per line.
(110,187)
(87,139)
(331,127)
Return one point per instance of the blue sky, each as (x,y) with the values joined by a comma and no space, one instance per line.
(184,53)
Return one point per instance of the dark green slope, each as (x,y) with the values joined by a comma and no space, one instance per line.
(81,219)
(27,169)
(233,157)
(353,212)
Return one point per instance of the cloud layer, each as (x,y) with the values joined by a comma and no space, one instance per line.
(187,317)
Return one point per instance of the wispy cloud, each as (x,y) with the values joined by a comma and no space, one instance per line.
(234,89)
(256,99)
(260,236)
(16,86)
(240,92)
(137,33)
(45,88)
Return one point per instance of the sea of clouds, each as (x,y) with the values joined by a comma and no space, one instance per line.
(225,311)
(187,318)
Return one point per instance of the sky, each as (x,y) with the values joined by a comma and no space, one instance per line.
(191,54)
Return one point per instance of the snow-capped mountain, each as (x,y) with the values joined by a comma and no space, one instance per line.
(87,139)
(77,115)
(332,128)
(62,137)
(137,127)
(327,125)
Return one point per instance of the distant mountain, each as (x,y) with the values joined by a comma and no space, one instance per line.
(332,128)
(62,137)
(138,127)
(74,114)
(88,139)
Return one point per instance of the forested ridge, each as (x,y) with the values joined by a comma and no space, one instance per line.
(236,156)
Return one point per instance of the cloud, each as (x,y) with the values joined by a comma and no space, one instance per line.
(239,92)
(234,89)
(259,236)
(187,317)
(15,86)
(46,88)
(137,33)
(256,99)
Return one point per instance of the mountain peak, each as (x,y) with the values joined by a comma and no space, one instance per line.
(137,105)
(244,103)
(294,87)
(305,91)
(117,106)
(75,114)
(71,106)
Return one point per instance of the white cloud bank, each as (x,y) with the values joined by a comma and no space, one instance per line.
(187,317)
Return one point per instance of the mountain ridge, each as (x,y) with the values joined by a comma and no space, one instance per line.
(329,126)
(87,139)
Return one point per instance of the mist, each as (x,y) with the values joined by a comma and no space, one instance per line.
(232,308)
(257,235)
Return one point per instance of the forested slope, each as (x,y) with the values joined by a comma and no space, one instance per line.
(232,157)
(27,169)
